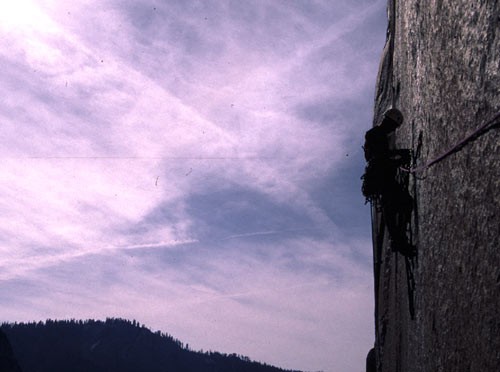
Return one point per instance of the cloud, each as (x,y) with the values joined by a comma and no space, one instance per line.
(219,300)
(198,160)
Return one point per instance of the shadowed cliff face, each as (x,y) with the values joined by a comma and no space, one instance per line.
(441,68)
(7,361)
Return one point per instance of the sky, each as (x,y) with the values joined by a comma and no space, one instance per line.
(195,166)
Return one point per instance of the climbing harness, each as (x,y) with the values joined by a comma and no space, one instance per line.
(488,125)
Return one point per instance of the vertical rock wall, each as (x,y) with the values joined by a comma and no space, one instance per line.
(441,68)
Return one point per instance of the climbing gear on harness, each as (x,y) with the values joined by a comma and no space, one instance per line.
(378,176)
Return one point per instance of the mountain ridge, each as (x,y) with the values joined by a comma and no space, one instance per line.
(114,344)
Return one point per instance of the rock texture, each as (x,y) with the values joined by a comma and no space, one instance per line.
(441,68)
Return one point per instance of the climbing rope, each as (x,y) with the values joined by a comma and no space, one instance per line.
(490,124)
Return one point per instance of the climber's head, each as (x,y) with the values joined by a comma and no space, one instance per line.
(393,118)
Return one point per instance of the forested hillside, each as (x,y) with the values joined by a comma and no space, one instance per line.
(113,345)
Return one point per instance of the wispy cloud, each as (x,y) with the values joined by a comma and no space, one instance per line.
(196,159)
(243,296)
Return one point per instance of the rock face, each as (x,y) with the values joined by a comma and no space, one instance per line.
(441,68)
(7,361)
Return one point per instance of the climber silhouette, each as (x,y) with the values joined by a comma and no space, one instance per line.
(380,181)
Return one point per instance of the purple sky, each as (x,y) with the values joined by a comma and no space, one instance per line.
(193,165)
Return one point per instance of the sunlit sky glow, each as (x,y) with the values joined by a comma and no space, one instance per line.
(193,165)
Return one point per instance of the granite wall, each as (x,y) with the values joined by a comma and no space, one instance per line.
(441,68)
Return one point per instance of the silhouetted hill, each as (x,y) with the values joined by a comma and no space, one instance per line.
(7,361)
(113,345)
